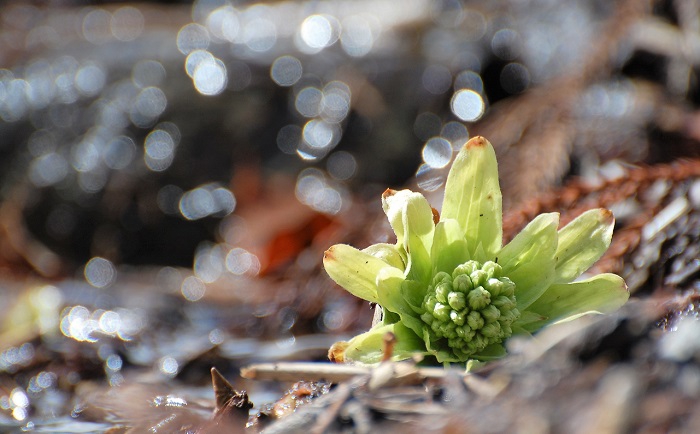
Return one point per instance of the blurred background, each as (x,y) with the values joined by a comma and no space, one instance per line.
(171,172)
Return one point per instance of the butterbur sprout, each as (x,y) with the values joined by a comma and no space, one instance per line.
(450,291)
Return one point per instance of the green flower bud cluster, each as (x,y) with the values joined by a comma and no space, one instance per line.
(472,308)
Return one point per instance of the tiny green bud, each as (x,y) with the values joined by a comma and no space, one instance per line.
(492,269)
(430,303)
(503,302)
(457,300)
(462,283)
(442,291)
(441,277)
(509,316)
(494,287)
(466,268)
(478,298)
(468,334)
(492,330)
(475,320)
(448,329)
(506,329)
(477,343)
(427,318)
(457,317)
(508,287)
(479,278)
(441,312)
(490,313)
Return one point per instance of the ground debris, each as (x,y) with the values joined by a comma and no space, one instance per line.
(300,394)
(595,374)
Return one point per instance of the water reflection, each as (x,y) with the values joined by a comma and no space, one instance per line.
(320,31)
(286,70)
(336,87)
(99,272)
(314,189)
(437,152)
(85,325)
(193,37)
(467,105)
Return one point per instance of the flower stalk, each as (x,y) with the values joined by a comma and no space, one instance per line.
(450,291)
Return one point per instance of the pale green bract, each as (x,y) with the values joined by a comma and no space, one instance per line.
(450,290)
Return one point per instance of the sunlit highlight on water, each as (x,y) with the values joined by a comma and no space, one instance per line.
(240,261)
(428,178)
(159,150)
(320,31)
(286,70)
(193,37)
(14,358)
(100,272)
(224,23)
(120,152)
(210,77)
(456,133)
(437,79)
(437,152)
(315,190)
(97,26)
(467,105)
(260,34)
(169,367)
(358,35)
(148,73)
(209,262)
(341,165)
(308,102)
(193,288)
(20,402)
(83,325)
(206,200)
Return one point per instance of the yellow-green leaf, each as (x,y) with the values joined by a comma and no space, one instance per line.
(603,293)
(582,242)
(368,348)
(528,260)
(449,246)
(473,197)
(354,270)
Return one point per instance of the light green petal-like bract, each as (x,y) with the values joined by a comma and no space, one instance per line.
(354,270)
(388,253)
(527,318)
(420,228)
(449,246)
(528,260)
(473,198)
(603,293)
(582,242)
(389,284)
(368,348)
(411,218)
(393,204)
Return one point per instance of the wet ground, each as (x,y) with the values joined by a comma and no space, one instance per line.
(171,175)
